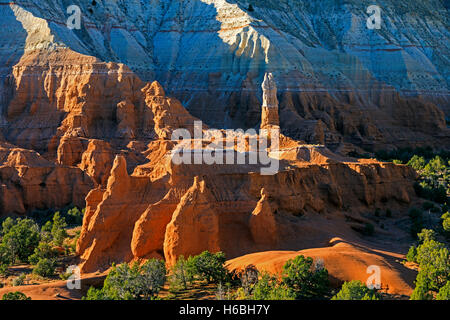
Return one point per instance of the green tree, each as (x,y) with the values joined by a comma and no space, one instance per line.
(434,266)
(59,229)
(46,232)
(131,283)
(152,278)
(435,166)
(180,275)
(45,267)
(417,163)
(20,239)
(306,281)
(208,267)
(355,290)
(5,259)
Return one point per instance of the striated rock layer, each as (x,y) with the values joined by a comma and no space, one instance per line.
(339,82)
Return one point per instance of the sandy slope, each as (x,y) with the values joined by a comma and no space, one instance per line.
(344,261)
(57,290)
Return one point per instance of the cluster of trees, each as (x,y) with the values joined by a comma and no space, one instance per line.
(23,240)
(134,282)
(434,178)
(72,215)
(301,279)
(433,279)
(433,168)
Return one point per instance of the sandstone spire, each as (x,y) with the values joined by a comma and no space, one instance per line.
(269,115)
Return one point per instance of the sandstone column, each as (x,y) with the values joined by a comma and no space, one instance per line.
(269,115)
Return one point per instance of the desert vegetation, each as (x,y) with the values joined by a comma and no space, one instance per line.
(38,248)
(301,279)
(433,169)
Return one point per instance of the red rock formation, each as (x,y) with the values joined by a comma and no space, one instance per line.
(263,225)
(168,210)
(97,161)
(80,113)
(196,219)
(28,181)
(269,116)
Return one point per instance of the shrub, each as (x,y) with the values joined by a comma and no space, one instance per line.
(20,238)
(221,294)
(306,282)
(426,234)
(131,283)
(45,267)
(15,296)
(208,267)
(355,290)
(19,281)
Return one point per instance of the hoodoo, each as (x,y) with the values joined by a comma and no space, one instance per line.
(269,115)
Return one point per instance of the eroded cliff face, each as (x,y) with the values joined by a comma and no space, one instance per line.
(75,113)
(192,208)
(339,82)
(28,181)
